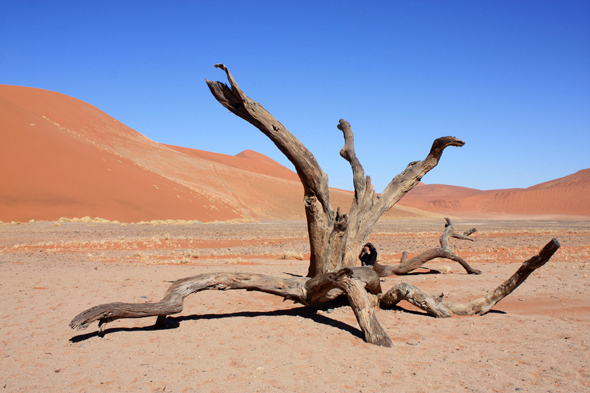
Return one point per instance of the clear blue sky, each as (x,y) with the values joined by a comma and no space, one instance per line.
(510,78)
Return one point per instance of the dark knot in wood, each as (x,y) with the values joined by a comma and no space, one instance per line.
(368,255)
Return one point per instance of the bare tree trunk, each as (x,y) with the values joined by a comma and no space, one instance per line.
(318,211)
(335,239)
(368,255)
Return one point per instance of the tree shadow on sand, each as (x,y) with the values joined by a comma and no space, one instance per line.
(172,322)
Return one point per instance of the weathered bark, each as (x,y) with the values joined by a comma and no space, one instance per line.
(436,306)
(364,311)
(171,303)
(335,239)
(358,284)
(368,255)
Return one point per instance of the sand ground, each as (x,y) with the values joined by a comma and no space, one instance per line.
(536,340)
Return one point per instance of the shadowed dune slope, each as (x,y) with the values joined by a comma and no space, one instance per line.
(569,195)
(61,157)
(56,162)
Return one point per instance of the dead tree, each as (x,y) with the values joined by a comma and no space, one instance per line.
(368,255)
(336,239)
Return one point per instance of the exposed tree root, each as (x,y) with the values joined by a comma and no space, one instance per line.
(361,285)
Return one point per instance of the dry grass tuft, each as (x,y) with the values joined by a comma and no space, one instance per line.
(292,255)
(445,269)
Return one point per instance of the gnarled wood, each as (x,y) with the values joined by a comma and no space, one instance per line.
(436,306)
(171,303)
(367,207)
(364,311)
(368,255)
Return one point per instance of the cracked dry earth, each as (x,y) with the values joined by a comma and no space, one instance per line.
(536,340)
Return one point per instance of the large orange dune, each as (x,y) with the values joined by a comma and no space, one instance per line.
(61,157)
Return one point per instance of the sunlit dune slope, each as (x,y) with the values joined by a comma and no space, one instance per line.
(247,160)
(61,157)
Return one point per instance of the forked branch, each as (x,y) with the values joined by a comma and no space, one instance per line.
(401,184)
(367,207)
(335,240)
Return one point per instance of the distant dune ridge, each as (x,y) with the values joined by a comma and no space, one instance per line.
(61,157)
(569,195)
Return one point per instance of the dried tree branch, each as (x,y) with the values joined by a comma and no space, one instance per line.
(237,102)
(368,255)
(172,302)
(364,311)
(358,284)
(405,181)
(361,285)
(335,239)
(358,173)
(436,306)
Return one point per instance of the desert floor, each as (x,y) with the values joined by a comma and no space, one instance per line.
(536,340)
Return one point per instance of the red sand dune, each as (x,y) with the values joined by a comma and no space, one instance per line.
(61,157)
(568,195)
